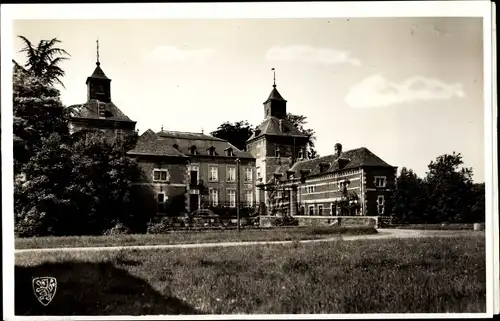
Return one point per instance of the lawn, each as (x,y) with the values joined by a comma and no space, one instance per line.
(427,275)
(187,237)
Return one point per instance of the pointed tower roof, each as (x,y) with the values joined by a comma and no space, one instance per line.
(275,95)
(98,73)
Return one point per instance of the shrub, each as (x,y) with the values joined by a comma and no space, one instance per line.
(285,221)
(158,227)
(118,229)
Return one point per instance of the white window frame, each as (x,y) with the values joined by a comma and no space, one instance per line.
(380,197)
(381,209)
(161,170)
(230,169)
(249,200)
(320,209)
(383,180)
(229,193)
(248,174)
(195,168)
(310,207)
(213,196)
(210,178)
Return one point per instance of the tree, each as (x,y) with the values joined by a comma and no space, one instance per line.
(43,60)
(409,199)
(237,134)
(299,122)
(41,202)
(448,187)
(38,112)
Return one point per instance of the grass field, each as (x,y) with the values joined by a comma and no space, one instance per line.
(181,237)
(378,276)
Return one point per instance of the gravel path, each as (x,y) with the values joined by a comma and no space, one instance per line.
(382,234)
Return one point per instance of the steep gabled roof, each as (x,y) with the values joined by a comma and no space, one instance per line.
(151,144)
(354,158)
(271,126)
(90,110)
(164,141)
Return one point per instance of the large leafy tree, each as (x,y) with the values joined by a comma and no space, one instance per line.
(300,122)
(38,113)
(236,133)
(409,199)
(43,60)
(448,187)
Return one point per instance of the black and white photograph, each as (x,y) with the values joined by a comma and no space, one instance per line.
(267,160)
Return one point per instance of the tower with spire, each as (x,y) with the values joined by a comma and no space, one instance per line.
(276,143)
(99,111)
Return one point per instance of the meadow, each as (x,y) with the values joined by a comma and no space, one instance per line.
(428,275)
(190,237)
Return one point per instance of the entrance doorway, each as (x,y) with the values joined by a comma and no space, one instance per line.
(194,202)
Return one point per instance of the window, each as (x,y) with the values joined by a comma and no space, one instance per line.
(334,210)
(258,172)
(311,210)
(302,210)
(300,154)
(380,181)
(214,197)
(310,189)
(232,197)
(320,209)
(380,204)
(231,174)
(214,177)
(248,174)
(229,152)
(194,175)
(249,198)
(277,152)
(193,150)
(211,151)
(343,184)
(119,134)
(160,198)
(160,175)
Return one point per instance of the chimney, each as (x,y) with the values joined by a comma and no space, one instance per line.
(338,150)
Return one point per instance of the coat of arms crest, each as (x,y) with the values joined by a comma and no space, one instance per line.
(44,289)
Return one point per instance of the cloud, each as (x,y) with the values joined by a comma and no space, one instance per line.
(311,55)
(375,91)
(172,53)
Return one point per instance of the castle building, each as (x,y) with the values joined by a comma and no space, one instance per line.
(183,172)
(99,111)
(346,183)
(276,143)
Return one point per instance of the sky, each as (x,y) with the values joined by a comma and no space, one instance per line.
(408,89)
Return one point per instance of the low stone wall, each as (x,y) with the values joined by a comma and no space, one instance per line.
(346,221)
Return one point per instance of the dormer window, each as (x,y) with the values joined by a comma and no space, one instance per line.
(323,167)
(229,152)
(192,150)
(211,151)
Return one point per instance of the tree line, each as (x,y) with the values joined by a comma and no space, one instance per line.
(81,184)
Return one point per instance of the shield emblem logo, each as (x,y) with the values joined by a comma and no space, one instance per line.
(44,289)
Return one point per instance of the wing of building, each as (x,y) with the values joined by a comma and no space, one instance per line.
(184,171)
